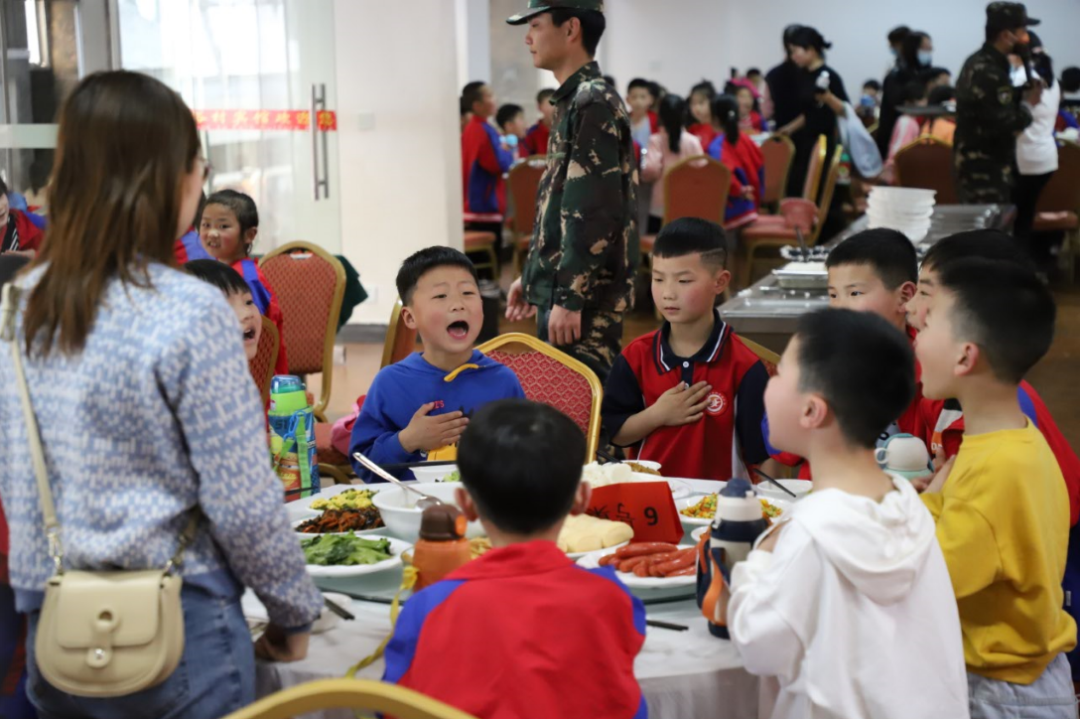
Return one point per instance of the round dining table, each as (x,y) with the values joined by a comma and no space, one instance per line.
(683,673)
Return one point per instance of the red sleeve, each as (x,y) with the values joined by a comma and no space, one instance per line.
(1066,457)
(29,234)
(273,313)
(654,122)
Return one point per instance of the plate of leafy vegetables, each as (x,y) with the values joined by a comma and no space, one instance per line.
(349,555)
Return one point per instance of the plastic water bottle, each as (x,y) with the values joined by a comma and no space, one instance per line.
(292,437)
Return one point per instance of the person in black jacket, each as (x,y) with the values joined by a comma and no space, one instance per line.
(916,56)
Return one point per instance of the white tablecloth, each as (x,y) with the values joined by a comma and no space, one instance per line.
(684,675)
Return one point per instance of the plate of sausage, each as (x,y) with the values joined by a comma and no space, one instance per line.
(647,565)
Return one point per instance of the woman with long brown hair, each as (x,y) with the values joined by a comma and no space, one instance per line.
(147,414)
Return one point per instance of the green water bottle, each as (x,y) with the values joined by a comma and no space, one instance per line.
(292,437)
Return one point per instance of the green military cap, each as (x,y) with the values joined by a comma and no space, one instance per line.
(541,6)
(1008,16)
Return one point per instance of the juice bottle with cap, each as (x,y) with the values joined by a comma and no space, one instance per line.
(442,546)
(292,437)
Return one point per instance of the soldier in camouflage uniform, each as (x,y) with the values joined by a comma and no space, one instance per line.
(585,248)
(989,111)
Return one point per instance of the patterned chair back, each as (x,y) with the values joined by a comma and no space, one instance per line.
(553,378)
(697,187)
(927,164)
(400,340)
(262,365)
(779,154)
(310,287)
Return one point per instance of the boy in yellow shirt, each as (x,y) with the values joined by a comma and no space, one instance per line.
(1001,506)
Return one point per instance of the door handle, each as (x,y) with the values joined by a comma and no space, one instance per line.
(320,180)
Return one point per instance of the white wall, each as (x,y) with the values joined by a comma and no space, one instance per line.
(677,42)
(401,178)
(473,41)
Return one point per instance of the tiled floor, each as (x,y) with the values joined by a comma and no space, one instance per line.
(1057,377)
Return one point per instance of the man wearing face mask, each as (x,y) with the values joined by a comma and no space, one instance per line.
(989,111)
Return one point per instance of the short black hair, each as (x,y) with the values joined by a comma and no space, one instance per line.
(888,252)
(913,92)
(472,94)
(521,463)
(690,235)
(987,244)
(507,113)
(218,274)
(420,263)
(1070,79)
(941,94)
(610,80)
(247,214)
(544,95)
(861,365)
(464,107)
(3,187)
(898,33)
(593,25)
(873,85)
(705,87)
(753,71)
(640,83)
(936,72)
(1003,308)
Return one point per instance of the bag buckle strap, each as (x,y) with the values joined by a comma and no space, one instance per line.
(56,548)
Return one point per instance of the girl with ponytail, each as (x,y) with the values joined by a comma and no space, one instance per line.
(667,148)
(739,153)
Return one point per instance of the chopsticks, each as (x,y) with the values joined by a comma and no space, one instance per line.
(605,455)
(409,465)
(773,482)
(666,625)
(338,609)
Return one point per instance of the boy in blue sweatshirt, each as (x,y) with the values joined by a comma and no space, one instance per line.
(420,406)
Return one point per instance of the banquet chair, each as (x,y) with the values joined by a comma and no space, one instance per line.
(400,341)
(768,358)
(262,364)
(796,215)
(553,378)
(779,154)
(811,184)
(485,243)
(927,164)
(358,694)
(696,187)
(310,287)
(1059,205)
(524,185)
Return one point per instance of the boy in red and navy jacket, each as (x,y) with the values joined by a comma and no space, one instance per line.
(484,160)
(536,139)
(689,395)
(567,636)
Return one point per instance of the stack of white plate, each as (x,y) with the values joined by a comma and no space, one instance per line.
(905,209)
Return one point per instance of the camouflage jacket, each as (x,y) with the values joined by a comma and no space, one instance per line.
(585,247)
(989,114)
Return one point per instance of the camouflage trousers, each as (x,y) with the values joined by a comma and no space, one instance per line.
(601,338)
(982,180)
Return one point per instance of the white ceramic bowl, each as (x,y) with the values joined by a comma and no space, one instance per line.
(402,518)
(433,474)
(800,487)
(903,194)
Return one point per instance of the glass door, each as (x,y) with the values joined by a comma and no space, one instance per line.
(259,75)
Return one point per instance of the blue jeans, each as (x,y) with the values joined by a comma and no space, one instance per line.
(215,677)
(1049,697)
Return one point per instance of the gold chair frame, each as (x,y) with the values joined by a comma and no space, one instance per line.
(270,329)
(532,343)
(783,140)
(327,694)
(332,320)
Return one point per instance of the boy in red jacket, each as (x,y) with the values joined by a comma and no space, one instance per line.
(567,636)
(484,161)
(536,139)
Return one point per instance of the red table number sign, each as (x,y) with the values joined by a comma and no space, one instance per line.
(646,506)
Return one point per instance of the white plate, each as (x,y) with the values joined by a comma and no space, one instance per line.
(784,506)
(397,547)
(592,561)
(609,550)
(679,488)
(378,531)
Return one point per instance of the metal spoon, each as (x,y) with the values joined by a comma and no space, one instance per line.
(425,500)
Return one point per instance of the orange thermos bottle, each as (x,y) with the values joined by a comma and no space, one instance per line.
(442,546)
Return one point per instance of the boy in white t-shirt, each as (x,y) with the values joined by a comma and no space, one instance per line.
(847,601)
